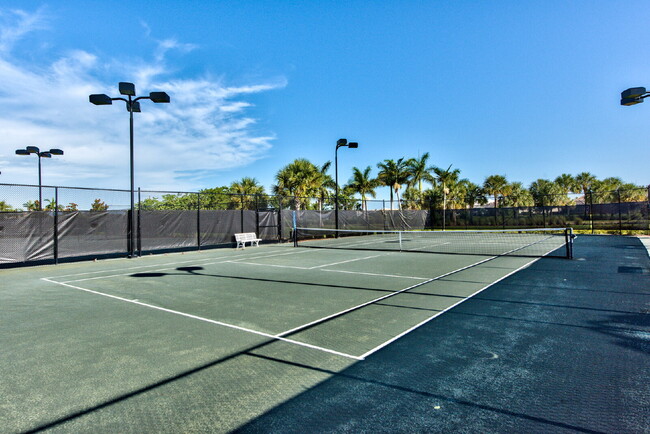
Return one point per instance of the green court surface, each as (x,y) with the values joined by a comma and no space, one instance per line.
(210,341)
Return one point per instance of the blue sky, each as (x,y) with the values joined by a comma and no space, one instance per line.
(525,89)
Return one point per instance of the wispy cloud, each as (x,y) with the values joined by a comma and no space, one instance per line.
(178,145)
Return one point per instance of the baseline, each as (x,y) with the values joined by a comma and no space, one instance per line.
(278,337)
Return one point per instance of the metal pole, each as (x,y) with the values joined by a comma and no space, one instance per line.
(198,220)
(648,209)
(591,211)
(139,229)
(131,245)
(620,219)
(56,224)
(336,194)
(444,207)
(40,185)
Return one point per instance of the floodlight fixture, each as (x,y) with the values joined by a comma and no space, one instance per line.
(633,92)
(159,97)
(132,106)
(633,96)
(100,99)
(126,88)
(339,143)
(631,101)
(44,154)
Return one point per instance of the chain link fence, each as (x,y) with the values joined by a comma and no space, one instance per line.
(48,224)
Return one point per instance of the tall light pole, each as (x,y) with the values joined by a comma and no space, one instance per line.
(40,154)
(132,106)
(339,144)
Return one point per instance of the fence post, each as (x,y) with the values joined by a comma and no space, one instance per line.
(198,220)
(139,229)
(620,218)
(56,225)
(241,216)
(648,211)
(591,211)
(279,218)
(257,216)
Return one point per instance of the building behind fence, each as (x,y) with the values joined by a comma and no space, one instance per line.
(82,222)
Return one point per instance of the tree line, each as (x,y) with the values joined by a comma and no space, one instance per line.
(413,183)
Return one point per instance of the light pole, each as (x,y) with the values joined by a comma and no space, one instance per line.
(40,154)
(339,144)
(132,106)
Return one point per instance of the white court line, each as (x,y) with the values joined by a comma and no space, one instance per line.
(160,265)
(382,298)
(164,269)
(211,321)
(376,274)
(344,262)
(377,348)
(409,288)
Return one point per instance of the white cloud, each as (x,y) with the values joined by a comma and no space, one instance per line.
(177,145)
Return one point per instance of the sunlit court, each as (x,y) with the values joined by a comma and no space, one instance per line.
(123,334)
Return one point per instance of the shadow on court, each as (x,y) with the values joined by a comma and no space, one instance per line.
(561,346)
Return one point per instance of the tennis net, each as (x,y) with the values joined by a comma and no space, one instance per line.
(515,242)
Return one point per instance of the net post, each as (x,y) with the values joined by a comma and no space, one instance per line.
(568,239)
(400,240)
(294,234)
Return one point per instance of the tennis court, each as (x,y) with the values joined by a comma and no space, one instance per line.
(211,340)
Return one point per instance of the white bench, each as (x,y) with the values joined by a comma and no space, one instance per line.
(245,237)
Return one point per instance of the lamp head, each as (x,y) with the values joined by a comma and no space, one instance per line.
(159,97)
(32,149)
(22,152)
(127,88)
(341,142)
(631,101)
(632,92)
(45,154)
(135,106)
(100,99)
(56,152)
(353,145)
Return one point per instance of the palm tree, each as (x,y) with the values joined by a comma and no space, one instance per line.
(419,171)
(325,183)
(447,178)
(543,188)
(363,184)
(495,185)
(300,179)
(518,195)
(585,181)
(393,174)
(246,189)
(473,194)
(567,183)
